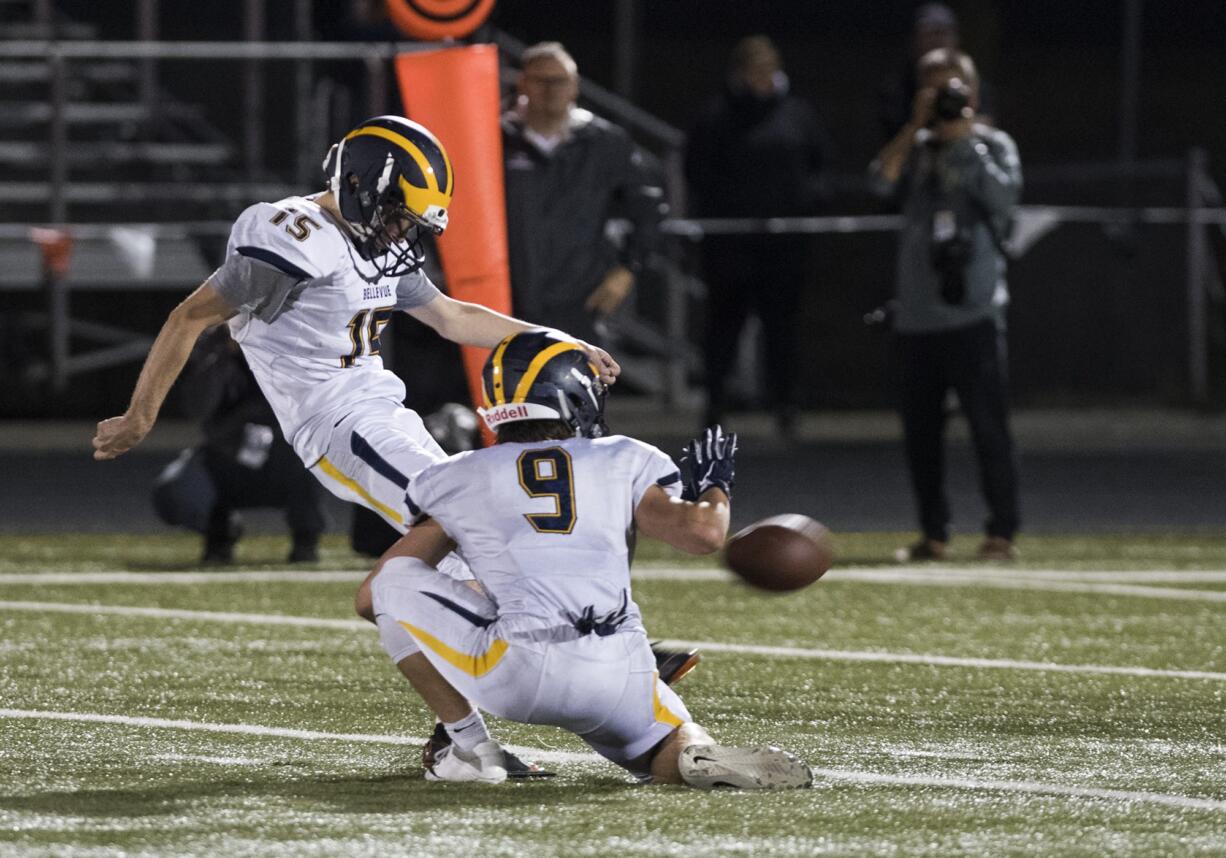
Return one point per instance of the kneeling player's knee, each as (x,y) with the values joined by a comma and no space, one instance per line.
(364,603)
(395,638)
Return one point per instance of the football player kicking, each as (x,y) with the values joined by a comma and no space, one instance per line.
(307,285)
(545,519)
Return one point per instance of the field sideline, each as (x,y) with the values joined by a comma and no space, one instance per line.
(1072,707)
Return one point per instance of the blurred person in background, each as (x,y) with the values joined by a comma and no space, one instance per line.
(958,181)
(568,173)
(243,463)
(758,151)
(934,26)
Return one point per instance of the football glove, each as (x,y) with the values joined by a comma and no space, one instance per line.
(709,461)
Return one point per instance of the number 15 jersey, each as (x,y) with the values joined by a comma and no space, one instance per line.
(546,526)
(308,323)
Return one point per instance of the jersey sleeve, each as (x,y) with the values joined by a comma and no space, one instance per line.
(653,468)
(265,263)
(415,290)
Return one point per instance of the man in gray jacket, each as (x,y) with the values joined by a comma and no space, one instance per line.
(567,174)
(958,181)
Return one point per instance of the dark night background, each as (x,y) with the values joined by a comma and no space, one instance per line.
(1098,315)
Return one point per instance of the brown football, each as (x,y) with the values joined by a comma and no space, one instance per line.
(781,553)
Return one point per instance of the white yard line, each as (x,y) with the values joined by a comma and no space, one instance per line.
(281,576)
(177,614)
(1029,787)
(1138,576)
(990,573)
(278,732)
(1112,583)
(943,660)
(710,646)
(1033,787)
(1020,581)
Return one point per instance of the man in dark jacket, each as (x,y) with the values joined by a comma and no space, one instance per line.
(757,152)
(243,463)
(567,174)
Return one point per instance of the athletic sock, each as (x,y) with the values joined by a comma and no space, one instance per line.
(468,732)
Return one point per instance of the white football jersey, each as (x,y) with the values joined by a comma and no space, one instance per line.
(308,324)
(546,527)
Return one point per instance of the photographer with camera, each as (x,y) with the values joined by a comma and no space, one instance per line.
(958,182)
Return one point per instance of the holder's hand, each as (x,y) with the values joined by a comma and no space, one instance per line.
(709,461)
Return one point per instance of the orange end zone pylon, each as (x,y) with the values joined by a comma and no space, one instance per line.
(454,92)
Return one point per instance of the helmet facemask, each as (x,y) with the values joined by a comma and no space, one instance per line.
(385,231)
(584,412)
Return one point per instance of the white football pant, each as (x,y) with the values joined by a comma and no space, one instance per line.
(604,689)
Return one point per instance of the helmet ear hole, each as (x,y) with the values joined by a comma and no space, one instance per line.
(331,161)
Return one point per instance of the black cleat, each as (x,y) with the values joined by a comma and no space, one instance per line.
(516,768)
(437,741)
(673,665)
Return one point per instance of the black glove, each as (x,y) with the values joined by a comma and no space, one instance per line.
(709,461)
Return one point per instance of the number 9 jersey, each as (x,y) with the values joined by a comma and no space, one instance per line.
(310,316)
(546,527)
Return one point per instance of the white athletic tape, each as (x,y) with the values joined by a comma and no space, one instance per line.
(710,646)
(976,784)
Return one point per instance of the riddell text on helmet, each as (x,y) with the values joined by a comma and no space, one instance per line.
(506,412)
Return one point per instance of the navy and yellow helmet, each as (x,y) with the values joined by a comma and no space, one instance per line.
(386,173)
(542,375)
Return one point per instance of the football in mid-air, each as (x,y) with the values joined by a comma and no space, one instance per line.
(781,553)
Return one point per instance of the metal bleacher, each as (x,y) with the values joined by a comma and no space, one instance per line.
(119,155)
(146,186)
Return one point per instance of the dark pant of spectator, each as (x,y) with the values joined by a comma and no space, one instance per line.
(762,274)
(369,534)
(203,487)
(972,362)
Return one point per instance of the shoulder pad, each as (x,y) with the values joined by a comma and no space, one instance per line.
(290,235)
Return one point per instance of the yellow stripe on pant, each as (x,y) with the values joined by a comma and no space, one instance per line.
(331,470)
(473,665)
(662,713)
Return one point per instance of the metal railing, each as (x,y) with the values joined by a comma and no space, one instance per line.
(666,337)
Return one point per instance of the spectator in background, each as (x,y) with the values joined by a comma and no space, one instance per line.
(935,26)
(959,182)
(244,461)
(567,174)
(757,152)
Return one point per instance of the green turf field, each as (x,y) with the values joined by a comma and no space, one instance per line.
(1074,704)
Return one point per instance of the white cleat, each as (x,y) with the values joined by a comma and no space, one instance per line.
(483,764)
(763,767)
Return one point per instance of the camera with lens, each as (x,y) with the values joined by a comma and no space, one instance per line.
(951,100)
(949,258)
